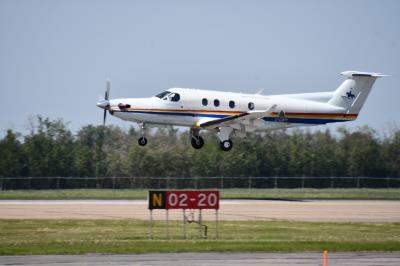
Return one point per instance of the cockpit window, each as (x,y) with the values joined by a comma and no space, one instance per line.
(175,97)
(163,94)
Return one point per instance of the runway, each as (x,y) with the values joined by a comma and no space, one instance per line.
(308,210)
(211,259)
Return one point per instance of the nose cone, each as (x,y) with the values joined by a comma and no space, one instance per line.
(103,104)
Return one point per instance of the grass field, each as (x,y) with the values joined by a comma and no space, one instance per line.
(225,193)
(131,236)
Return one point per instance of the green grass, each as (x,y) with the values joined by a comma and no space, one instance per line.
(19,237)
(309,193)
(225,193)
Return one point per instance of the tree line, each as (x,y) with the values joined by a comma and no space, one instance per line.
(51,149)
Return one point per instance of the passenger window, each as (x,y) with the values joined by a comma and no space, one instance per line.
(216,103)
(175,97)
(204,102)
(231,104)
(251,106)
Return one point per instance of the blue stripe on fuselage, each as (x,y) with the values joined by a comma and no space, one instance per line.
(174,113)
(315,121)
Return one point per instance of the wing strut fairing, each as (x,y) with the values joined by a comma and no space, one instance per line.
(226,121)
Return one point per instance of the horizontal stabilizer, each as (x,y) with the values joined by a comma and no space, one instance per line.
(350,74)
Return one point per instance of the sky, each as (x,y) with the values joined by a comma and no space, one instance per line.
(56,55)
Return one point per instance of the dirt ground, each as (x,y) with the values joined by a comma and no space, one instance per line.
(309,210)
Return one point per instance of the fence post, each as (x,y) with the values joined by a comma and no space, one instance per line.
(151,225)
(216,224)
(358,182)
(332,182)
(249,182)
(222,183)
(200,224)
(167,222)
(276,182)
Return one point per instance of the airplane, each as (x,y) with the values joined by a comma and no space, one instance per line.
(236,114)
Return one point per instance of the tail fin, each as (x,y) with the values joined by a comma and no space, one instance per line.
(354,91)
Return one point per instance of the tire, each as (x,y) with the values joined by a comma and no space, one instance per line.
(226,145)
(142,141)
(197,142)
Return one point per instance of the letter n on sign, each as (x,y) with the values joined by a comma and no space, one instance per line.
(157,200)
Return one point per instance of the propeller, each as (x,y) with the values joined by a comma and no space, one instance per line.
(105,103)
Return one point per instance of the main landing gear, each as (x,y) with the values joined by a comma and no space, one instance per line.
(196,140)
(226,145)
(223,134)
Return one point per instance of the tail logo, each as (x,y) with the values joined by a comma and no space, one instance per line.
(350,95)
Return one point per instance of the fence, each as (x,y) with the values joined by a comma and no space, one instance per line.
(14,183)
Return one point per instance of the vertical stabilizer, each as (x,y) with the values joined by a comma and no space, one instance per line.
(354,91)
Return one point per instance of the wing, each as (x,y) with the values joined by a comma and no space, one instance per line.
(235,119)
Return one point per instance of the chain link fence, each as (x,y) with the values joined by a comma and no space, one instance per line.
(15,183)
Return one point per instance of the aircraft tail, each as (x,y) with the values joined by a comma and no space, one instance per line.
(354,91)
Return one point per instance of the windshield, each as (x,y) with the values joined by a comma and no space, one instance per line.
(163,94)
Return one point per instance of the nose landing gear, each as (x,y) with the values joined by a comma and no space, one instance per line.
(142,141)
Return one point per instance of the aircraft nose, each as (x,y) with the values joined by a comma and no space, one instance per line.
(103,104)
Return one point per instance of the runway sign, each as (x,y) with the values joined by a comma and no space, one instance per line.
(184,199)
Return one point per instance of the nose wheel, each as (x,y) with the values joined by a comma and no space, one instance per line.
(142,141)
(197,142)
(226,145)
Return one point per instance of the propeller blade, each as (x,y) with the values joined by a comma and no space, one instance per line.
(108,87)
(104,117)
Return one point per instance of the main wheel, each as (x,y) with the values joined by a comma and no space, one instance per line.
(197,142)
(226,145)
(142,141)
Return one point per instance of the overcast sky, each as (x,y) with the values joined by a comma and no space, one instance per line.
(56,55)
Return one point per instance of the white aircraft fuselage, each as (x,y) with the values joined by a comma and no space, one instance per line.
(229,113)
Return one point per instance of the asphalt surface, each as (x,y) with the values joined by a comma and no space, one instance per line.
(184,259)
(234,210)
